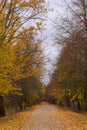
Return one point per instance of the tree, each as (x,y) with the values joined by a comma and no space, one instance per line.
(7,73)
(17,37)
(71,67)
(72,71)
(19,48)
(31,89)
(15,14)
(51,88)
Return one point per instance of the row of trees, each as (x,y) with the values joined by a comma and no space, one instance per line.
(69,83)
(20,49)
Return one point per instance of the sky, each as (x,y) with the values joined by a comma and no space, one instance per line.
(51,50)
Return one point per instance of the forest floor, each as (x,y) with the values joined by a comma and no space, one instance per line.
(45,117)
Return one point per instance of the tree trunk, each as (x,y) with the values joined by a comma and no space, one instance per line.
(2,111)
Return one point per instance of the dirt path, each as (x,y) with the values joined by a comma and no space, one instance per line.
(43,118)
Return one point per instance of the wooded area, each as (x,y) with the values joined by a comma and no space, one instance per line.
(68,86)
(20,53)
(22,59)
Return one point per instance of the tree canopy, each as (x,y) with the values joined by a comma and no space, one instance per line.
(70,75)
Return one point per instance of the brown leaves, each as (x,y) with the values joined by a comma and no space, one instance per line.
(71,120)
(14,122)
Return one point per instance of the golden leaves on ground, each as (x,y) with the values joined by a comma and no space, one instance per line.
(14,122)
(72,120)
(67,119)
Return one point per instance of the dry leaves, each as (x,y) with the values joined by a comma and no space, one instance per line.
(15,121)
(67,119)
(72,120)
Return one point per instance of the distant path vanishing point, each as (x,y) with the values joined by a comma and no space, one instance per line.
(43,118)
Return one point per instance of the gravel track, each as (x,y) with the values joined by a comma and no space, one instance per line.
(43,118)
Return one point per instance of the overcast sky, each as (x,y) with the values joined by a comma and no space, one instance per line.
(52,51)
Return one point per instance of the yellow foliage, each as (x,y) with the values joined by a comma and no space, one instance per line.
(17,45)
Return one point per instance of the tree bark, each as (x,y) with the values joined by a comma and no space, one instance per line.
(2,111)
